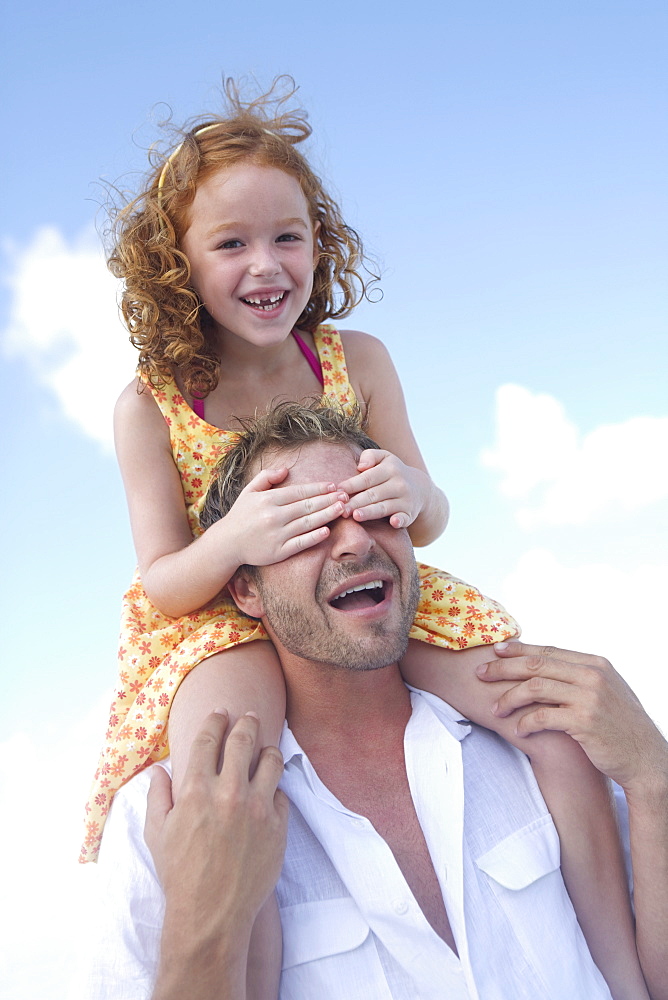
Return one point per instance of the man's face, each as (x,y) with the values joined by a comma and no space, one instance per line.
(305,601)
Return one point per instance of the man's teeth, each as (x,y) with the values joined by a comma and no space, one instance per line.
(373,585)
(267,303)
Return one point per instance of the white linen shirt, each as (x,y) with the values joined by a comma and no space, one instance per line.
(352,929)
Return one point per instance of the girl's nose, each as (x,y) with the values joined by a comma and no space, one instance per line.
(350,539)
(264,262)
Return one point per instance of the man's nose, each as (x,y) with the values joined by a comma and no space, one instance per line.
(350,539)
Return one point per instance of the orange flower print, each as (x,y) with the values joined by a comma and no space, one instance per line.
(93,829)
(156,652)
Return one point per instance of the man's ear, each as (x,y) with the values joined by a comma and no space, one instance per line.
(245,594)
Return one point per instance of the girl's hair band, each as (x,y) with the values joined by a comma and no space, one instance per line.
(170,159)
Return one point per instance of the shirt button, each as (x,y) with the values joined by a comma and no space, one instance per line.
(400,907)
(356,821)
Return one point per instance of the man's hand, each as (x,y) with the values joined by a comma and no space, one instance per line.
(582,695)
(218,852)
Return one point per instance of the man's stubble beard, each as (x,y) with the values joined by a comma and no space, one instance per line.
(316,637)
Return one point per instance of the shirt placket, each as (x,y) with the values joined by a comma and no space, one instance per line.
(369,870)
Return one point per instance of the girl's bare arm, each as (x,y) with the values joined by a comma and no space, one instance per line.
(377,386)
(181,574)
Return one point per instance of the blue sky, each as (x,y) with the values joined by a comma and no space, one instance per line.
(506,163)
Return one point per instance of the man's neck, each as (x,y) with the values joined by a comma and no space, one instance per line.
(330,709)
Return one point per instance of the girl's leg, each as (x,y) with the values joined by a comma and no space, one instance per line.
(246,678)
(578,797)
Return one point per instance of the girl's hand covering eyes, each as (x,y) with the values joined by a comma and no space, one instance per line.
(271,524)
(385,487)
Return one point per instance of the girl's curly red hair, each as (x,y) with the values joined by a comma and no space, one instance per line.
(166,320)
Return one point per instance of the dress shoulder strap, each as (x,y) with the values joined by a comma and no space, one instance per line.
(335,381)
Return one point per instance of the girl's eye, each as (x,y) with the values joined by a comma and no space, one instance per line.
(230,245)
(287,238)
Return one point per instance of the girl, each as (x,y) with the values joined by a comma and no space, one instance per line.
(232,259)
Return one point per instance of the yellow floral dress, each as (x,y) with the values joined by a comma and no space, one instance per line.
(156,652)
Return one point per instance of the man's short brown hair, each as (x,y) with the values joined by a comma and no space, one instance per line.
(285,427)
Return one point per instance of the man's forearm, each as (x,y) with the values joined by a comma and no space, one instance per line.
(210,966)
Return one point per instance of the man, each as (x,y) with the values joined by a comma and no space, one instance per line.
(421,860)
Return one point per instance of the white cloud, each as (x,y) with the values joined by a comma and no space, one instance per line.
(64,321)
(45,892)
(565,477)
(597,608)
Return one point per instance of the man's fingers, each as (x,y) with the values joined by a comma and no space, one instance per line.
(514,648)
(269,770)
(159,802)
(239,749)
(518,661)
(282,805)
(545,717)
(541,690)
(205,751)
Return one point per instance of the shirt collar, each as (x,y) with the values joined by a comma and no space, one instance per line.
(452,720)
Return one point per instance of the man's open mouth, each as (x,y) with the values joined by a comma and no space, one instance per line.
(265,304)
(365,595)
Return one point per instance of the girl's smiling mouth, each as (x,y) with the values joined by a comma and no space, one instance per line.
(266,303)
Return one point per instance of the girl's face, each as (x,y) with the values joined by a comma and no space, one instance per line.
(252,251)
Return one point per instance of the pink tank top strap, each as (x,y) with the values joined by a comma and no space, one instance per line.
(312,358)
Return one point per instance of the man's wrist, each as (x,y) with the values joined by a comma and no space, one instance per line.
(202,962)
(649,788)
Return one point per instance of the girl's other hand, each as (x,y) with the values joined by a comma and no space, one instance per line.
(271,523)
(385,487)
